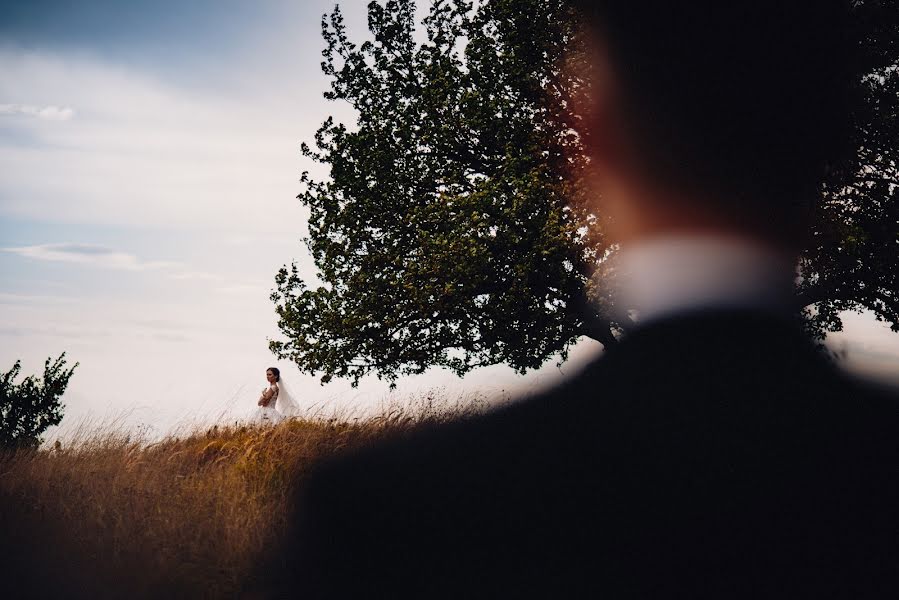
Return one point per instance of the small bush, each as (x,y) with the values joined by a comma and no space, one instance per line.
(27,409)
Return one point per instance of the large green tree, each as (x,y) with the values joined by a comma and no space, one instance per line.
(455,228)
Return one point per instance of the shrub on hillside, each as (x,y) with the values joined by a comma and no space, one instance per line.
(28,408)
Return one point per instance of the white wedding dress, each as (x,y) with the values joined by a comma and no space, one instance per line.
(280,406)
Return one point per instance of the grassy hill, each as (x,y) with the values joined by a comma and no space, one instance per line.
(188,516)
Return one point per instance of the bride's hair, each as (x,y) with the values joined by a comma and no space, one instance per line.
(276,372)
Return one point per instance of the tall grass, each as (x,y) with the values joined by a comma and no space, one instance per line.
(111,514)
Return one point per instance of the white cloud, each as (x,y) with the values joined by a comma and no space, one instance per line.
(259,289)
(146,152)
(47,113)
(32,299)
(89,254)
(96,255)
(196,276)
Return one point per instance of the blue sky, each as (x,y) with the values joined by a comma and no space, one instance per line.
(149,163)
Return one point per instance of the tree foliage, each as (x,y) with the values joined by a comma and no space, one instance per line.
(454,229)
(852,262)
(28,408)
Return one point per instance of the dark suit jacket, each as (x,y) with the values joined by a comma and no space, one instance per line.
(717,455)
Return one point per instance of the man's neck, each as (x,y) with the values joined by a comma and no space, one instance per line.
(671,274)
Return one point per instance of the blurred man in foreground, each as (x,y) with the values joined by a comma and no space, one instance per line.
(713,452)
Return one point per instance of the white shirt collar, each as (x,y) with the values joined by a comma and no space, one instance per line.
(665,276)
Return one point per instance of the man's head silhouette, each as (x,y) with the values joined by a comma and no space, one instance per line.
(714,116)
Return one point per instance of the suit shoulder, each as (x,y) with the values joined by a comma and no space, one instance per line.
(461,450)
(425,447)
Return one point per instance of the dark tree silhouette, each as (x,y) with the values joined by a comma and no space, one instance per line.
(28,408)
(853,260)
(455,229)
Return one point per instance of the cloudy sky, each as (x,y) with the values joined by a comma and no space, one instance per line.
(149,163)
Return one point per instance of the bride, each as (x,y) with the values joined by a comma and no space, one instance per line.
(275,403)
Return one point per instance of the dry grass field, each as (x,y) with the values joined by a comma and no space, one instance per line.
(189,516)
